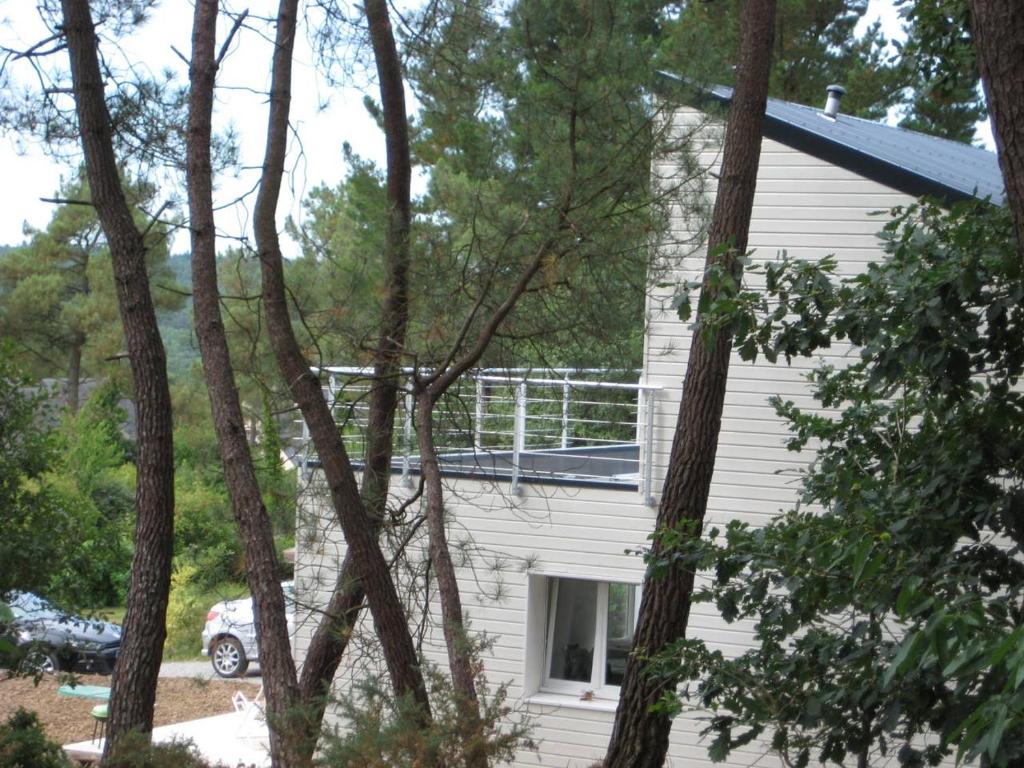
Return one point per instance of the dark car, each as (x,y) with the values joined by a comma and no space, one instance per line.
(49,639)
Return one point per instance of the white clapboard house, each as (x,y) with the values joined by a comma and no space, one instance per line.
(563,471)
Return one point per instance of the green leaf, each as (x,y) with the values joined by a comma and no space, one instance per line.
(995,733)
(908,653)
(860,559)
(907,593)
(1018,677)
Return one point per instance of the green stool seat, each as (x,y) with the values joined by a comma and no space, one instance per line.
(99,714)
(99,692)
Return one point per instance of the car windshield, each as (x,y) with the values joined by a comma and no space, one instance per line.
(25,605)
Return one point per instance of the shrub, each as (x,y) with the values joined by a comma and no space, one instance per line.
(95,565)
(189,601)
(24,745)
(205,534)
(94,482)
(134,750)
(384,731)
(186,612)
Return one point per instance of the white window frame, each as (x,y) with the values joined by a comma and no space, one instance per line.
(596,686)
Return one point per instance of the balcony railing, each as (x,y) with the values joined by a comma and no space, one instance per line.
(570,426)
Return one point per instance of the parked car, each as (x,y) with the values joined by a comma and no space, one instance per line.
(229,637)
(48,639)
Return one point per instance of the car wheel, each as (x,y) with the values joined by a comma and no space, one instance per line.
(228,657)
(40,660)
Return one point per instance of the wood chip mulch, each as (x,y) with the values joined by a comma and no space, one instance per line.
(67,719)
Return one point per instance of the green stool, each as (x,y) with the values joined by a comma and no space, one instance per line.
(99,715)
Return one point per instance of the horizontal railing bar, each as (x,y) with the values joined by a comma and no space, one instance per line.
(575,419)
(351,370)
(576,384)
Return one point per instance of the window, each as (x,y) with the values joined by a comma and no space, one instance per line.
(590,626)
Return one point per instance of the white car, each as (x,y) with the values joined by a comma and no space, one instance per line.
(229,637)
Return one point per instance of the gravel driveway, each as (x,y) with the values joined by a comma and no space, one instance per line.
(202,669)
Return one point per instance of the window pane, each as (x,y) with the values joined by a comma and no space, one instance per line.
(572,642)
(623,603)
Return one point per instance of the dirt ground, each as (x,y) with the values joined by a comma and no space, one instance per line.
(66,719)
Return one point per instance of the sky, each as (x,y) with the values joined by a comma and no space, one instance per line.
(324,117)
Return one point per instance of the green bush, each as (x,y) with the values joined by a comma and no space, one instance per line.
(285,569)
(189,601)
(96,565)
(385,732)
(27,504)
(24,745)
(94,480)
(205,534)
(134,750)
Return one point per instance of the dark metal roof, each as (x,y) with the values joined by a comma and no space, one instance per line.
(910,162)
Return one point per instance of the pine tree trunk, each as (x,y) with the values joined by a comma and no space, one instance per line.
(395,319)
(327,647)
(998,29)
(460,655)
(640,737)
(135,675)
(287,734)
(371,568)
(331,639)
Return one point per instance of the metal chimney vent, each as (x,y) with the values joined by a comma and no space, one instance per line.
(835,93)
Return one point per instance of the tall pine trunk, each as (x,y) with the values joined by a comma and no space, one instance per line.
(328,645)
(429,391)
(640,737)
(460,653)
(371,568)
(288,738)
(135,675)
(395,320)
(998,29)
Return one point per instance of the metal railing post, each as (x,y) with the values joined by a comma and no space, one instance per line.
(566,389)
(332,392)
(478,426)
(407,439)
(518,434)
(646,459)
(306,472)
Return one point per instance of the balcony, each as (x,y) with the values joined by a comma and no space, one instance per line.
(567,427)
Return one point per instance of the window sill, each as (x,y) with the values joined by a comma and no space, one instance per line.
(571,701)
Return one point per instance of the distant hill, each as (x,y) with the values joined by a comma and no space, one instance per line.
(176,325)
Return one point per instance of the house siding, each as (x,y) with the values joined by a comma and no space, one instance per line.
(803,205)
(809,209)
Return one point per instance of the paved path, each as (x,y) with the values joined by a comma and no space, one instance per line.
(204,670)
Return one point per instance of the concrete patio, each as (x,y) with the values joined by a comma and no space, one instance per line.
(236,739)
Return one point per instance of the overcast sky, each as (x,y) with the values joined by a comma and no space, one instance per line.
(324,117)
